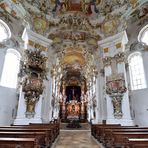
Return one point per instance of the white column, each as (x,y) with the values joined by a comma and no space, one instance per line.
(21,118)
(125,101)
(112,46)
(50,99)
(21,112)
(109,105)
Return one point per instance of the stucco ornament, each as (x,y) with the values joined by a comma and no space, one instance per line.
(40,24)
(110,25)
(35,73)
(115,88)
(120,57)
(117,106)
(107,61)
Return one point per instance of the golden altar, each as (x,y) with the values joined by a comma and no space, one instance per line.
(73,109)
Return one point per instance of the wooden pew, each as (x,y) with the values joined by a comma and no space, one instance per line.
(117,138)
(16,129)
(136,143)
(106,133)
(44,134)
(97,128)
(41,137)
(18,143)
(54,128)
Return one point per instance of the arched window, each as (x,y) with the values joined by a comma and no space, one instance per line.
(4,31)
(10,69)
(143,35)
(137,75)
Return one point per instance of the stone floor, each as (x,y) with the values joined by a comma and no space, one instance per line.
(84,126)
(76,139)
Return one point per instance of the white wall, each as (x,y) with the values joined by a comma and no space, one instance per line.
(8,102)
(140,98)
(8,98)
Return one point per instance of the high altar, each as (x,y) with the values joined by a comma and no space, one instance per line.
(73,110)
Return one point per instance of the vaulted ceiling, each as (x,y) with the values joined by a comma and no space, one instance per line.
(75,26)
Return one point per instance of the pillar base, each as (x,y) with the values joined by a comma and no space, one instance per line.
(26,121)
(123,122)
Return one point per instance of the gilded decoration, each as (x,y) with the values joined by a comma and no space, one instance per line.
(134,3)
(36,60)
(117,106)
(110,61)
(40,24)
(37,45)
(75,26)
(110,25)
(34,74)
(107,61)
(84,6)
(119,45)
(120,57)
(115,88)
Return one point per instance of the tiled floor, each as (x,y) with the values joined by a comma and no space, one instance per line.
(76,139)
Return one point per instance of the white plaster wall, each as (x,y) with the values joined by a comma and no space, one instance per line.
(8,103)
(8,98)
(139,99)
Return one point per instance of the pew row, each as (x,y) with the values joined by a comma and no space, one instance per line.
(45,134)
(113,136)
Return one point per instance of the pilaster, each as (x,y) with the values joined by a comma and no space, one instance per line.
(116,88)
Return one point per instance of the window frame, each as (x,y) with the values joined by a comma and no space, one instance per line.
(141,34)
(7,29)
(18,58)
(143,84)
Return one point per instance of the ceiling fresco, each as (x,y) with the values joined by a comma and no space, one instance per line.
(76,26)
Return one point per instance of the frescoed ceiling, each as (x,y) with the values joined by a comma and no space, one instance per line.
(75,26)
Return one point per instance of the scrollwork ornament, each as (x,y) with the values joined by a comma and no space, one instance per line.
(116,88)
(117,105)
(33,72)
(120,57)
(107,61)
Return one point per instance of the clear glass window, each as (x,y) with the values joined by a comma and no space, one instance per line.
(137,75)
(4,31)
(10,69)
(144,37)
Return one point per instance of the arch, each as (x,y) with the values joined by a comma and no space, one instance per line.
(5,32)
(10,69)
(143,35)
(136,70)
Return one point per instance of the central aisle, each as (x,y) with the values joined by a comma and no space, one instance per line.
(76,139)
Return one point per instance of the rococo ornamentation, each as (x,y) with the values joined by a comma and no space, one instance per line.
(107,61)
(120,57)
(115,88)
(35,72)
(117,106)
